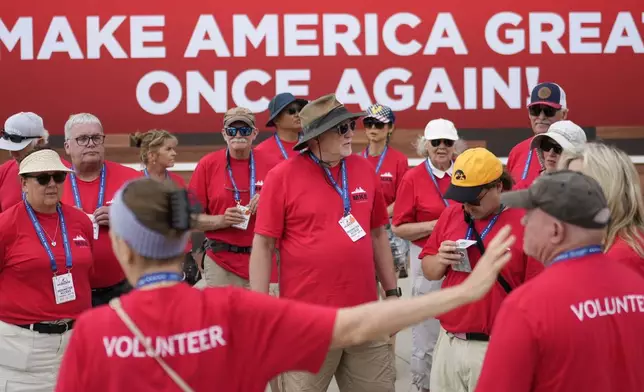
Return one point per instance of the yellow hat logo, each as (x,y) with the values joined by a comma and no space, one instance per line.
(459,175)
(544,92)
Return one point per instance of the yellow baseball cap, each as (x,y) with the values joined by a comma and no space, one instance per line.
(473,169)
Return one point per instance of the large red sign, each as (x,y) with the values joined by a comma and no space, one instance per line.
(179,65)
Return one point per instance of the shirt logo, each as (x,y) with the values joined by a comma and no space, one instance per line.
(109,202)
(80,241)
(359,195)
(387,176)
(259,183)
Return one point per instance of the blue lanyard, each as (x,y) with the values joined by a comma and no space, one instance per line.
(431,175)
(158,277)
(45,244)
(382,157)
(577,253)
(145,172)
(101,190)
(487,229)
(344,192)
(281,146)
(527,165)
(251,163)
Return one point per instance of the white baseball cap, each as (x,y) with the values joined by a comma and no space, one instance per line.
(440,129)
(20,130)
(566,133)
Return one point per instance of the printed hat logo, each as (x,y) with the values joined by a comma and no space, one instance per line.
(377,108)
(544,92)
(459,175)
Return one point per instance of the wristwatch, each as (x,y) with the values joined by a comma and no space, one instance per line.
(394,292)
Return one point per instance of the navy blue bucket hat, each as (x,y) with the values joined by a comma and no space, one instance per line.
(279,102)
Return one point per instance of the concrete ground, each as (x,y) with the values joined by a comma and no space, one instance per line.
(403,349)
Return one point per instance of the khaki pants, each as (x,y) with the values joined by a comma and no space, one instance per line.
(29,361)
(369,367)
(425,334)
(457,363)
(216,276)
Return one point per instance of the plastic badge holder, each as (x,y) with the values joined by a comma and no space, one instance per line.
(246,211)
(461,248)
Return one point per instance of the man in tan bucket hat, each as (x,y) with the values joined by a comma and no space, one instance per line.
(326,208)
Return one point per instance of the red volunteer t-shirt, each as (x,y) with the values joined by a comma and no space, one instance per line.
(212,186)
(393,168)
(576,327)
(223,339)
(479,316)
(623,253)
(10,188)
(25,270)
(418,200)
(320,264)
(270,147)
(107,270)
(517,162)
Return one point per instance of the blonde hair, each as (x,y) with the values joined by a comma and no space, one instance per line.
(150,141)
(618,177)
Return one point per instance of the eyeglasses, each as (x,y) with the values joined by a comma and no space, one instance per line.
(243,131)
(477,202)
(370,123)
(536,110)
(547,145)
(344,128)
(17,138)
(446,142)
(44,178)
(83,140)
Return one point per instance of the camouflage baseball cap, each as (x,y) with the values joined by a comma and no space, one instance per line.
(569,196)
(239,114)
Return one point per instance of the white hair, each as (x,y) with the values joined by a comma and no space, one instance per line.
(78,119)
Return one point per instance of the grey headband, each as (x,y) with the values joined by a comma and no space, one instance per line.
(144,241)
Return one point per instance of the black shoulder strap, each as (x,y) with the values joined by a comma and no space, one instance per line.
(479,243)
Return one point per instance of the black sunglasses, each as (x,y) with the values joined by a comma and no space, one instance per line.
(536,110)
(17,138)
(343,129)
(84,140)
(477,202)
(446,142)
(369,123)
(547,145)
(243,131)
(45,178)
(293,110)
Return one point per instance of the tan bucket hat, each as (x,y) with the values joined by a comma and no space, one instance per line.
(42,161)
(321,115)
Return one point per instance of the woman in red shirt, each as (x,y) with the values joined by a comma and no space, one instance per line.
(223,338)
(45,262)
(158,149)
(459,238)
(390,165)
(618,177)
(419,203)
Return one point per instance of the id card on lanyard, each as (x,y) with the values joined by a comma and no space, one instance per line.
(63,284)
(99,203)
(348,222)
(433,177)
(237,195)
(382,157)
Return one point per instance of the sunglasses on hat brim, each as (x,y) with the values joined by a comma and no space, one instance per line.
(17,138)
(446,142)
(242,131)
(45,178)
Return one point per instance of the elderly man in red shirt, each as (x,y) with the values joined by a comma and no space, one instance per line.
(548,104)
(327,209)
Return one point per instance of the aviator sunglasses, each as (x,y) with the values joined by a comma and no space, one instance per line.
(547,145)
(45,178)
(243,131)
(446,142)
(536,110)
(343,129)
